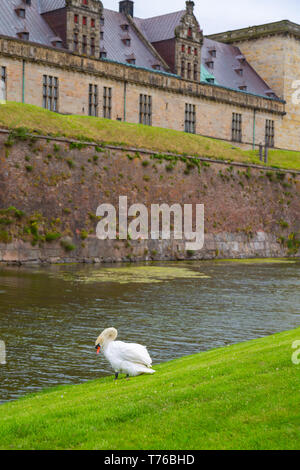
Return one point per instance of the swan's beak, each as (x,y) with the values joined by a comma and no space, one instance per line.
(98,347)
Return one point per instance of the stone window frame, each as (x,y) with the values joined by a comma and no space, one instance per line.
(3,78)
(84,44)
(93,46)
(76,41)
(145,113)
(190,118)
(93,100)
(270,133)
(236,128)
(50,93)
(107,102)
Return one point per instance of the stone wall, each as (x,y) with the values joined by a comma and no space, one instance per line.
(58,185)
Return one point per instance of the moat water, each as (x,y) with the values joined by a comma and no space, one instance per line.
(50,317)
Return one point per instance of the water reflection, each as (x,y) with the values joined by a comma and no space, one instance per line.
(49,320)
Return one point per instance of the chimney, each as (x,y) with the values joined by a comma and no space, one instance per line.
(126,7)
(190,7)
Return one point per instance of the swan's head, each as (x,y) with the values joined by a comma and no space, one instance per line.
(108,335)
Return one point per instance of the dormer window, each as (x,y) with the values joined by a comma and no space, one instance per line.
(156,66)
(24,35)
(103,54)
(241,58)
(210,80)
(20,12)
(102,21)
(127,42)
(101,35)
(131,61)
(239,71)
(56,42)
(125,27)
(213,52)
(210,64)
(190,32)
(243,87)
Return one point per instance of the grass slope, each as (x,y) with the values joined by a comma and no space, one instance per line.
(241,397)
(13,115)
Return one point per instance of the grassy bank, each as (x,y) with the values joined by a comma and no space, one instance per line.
(14,115)
(243,396)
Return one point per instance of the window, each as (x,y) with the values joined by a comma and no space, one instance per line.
(190,118)
(92,46)
(210,80)
(75,42)
(189,71)
(93,100)
(146,110)
(85,2)
(24,35)
(102,21)
(270,133)
(189,50)
(156,67)
(101,35)
(93,23)
(76,19)
(195,72)
(183,48)
(127,42)
(195,51)
(240,72)
(125,27)
(107,102)
(131,61)
(236,127)
(213,52)
(84,20)
(21,12)
(190,32)
(50,93)
(243,87)
(210,64)
(103,55)
(183,68)
(2,84)
(84,44)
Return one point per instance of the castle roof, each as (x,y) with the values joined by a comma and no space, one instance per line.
(117,50)
(160,28)
(226,65)
(11,24)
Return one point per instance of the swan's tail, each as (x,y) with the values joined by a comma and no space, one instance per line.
(145,370)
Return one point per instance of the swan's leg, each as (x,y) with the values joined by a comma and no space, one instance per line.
(116,375)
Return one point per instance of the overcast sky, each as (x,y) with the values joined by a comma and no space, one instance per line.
(221,15)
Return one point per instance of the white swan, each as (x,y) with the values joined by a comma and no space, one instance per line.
(125,358)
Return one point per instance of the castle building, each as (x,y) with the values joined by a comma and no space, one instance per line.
(77,57)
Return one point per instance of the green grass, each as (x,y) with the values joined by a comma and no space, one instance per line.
(16,115)
(241,397)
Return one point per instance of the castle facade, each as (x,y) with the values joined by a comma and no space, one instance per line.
(76,57)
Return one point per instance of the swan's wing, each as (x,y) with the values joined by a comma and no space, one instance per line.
(133,353)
